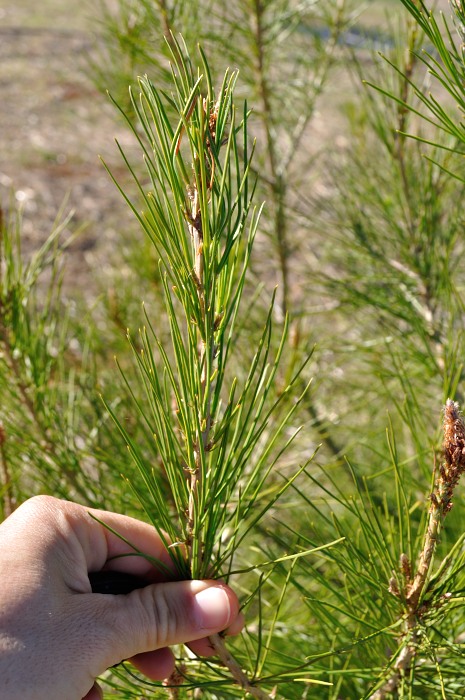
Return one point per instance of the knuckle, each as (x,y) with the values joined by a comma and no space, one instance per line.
(160,616)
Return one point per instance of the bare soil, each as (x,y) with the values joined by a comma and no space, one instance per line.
(53,126)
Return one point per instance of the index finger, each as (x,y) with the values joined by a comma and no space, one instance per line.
(85,539)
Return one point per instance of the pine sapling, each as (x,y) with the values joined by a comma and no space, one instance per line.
(217,427)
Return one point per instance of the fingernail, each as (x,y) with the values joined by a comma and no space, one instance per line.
(213,608)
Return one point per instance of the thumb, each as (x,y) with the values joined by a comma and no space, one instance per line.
(160,615)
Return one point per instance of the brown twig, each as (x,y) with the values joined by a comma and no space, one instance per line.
(403,112)
(278,184)
(235,669)
(452,467)
(173,682)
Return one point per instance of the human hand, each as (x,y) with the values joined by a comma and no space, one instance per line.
(56,636)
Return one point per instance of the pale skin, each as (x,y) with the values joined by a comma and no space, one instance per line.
(57,637)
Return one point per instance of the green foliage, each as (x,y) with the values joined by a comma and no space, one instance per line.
(34,350)
(54,429)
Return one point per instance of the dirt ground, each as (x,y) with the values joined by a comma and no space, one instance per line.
(53,126)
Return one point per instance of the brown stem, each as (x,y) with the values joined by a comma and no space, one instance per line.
(403,111)
(450,471)
(173,682)
(195,229)
(278,184)
(235,669)
(167,27)
(426,559)
(169,30)
(441,502)
(410,628)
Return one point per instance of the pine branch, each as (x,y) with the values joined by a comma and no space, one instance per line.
(214,433)
(452,467)
(206,357)
(235,669)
